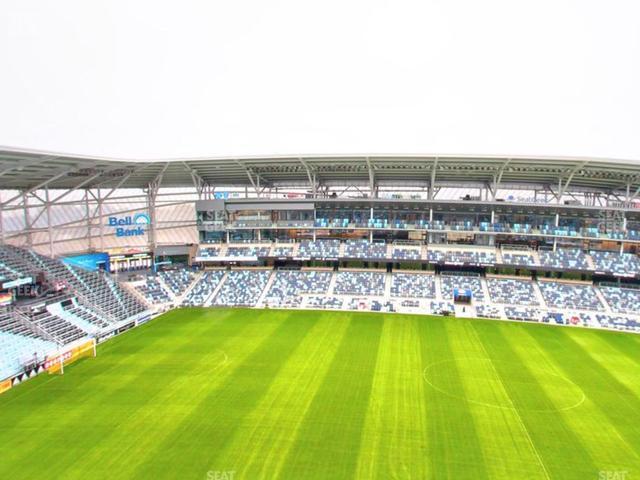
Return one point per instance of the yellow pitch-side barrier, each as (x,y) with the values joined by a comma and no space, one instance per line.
(56,363)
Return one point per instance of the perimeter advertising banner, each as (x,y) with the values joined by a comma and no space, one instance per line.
(54,364)
(5,385)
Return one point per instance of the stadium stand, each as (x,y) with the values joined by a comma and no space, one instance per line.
(282,251)
(209,252)
(488,311)
(203,288)
(622,300)
(288,286)
(60,330)
(471,257)
(564,258)
(618,322)
(511,291)
(323,302)
(440,307)
(617,263)
(15,349)
(153,291)
(319,248)
(401,253)
(570,296)
(413,285)
(178,281)
(518,258)
(359,283)
(248,251)
(522,313)
(9,323)
(461,282)
(87,315)
(364,249)
(242,288)
(553,317)
(96,290)
(435,256)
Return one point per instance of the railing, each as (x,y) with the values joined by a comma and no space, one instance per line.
(35,328)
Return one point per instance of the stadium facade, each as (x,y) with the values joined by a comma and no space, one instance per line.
(94,246)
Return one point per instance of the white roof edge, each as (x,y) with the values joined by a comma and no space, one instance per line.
(444,156)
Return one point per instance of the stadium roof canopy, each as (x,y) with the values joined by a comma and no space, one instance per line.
(32,170)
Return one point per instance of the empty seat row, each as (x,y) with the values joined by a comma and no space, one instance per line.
(570,296)
(512,291)
(242,288)
(359,283)
(288,285)
(364,249)
(178,280)
(203,288)
(622,300)
(412,285)
(153,291)
(451,283)
(564,258)
(613,262)
(319,248)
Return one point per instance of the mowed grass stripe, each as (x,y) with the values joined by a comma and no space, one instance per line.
(196,440)
(328,442)
(73,399)
(623,367)
(261,444)
(625,344)
(394,440)
(506,445)
(619,404)
(538,394)
(175,388)
(453,445)
(585,422)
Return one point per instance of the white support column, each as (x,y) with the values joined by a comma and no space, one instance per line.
(88,214)
(151,206)
(49,226)
(27,218)
(101,219)
(559,197)
(1,219)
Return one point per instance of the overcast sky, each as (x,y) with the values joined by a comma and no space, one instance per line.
(146,79)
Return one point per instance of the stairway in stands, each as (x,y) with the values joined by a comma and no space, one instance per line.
(95,290)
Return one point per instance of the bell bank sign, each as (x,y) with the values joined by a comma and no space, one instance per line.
(131,225)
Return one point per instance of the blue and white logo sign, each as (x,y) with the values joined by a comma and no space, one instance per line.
(141,219)
(130,226)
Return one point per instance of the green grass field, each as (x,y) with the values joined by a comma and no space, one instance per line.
(215,394)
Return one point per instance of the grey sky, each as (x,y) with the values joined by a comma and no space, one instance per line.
(149,79)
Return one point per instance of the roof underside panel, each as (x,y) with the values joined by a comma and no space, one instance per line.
(30,170)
